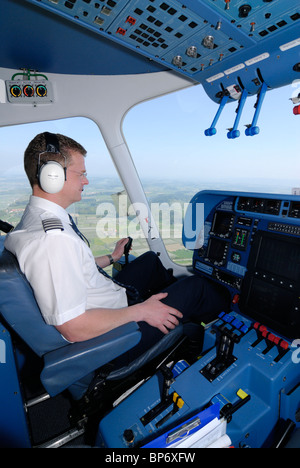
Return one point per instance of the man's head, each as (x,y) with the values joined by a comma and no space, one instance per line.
(68,155)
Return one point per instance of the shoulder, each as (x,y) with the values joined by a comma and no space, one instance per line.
(42,231)
(51,224)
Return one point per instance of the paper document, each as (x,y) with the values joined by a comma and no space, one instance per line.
(212,434)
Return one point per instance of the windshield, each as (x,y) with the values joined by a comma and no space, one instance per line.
(174,161)
(167,141)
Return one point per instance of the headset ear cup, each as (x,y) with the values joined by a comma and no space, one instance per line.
(51,177)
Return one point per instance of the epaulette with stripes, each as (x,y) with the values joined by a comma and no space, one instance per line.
(52,223)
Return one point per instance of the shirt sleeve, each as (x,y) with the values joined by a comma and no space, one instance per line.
(53,266)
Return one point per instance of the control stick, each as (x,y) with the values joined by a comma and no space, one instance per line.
(127,249)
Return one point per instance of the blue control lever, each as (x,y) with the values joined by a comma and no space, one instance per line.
(234,132)
(212,129)
(253,129)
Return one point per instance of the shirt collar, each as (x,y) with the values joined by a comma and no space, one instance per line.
(47,205)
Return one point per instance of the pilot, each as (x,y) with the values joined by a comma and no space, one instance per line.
(72,294)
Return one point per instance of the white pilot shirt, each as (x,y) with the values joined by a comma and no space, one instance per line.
(59,266)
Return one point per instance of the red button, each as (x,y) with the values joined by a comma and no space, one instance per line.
(256,325)
(236,299)
(276,340)
(284,344)
(271,337)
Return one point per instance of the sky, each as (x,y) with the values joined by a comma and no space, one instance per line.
(166,139)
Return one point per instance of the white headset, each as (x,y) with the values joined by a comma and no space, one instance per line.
(51,174)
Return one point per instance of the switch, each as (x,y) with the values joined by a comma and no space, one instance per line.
(283,349)
(235,299)
(177,404)
(244,11)
(128,436)
(228,318)
(270,341)
(237,324)
(242,394)
(276,340)
(192,51)
(121,31)
(131,20)
(177,400)
(260,331)
(284,345)
(106,11)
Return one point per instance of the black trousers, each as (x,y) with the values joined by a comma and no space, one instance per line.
(198,299)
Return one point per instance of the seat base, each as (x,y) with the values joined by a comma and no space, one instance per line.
(105,393)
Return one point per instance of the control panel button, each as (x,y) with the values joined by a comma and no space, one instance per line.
(284,345)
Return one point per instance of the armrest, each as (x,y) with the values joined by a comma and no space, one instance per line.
(67,365)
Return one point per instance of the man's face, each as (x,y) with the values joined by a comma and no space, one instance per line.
(76,179)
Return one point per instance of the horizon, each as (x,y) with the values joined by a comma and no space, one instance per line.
(245,184)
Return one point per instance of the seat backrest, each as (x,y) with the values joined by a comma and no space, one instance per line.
(19,308)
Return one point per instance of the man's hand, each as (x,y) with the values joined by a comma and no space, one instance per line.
(95,322)
(103,261)
(159,315)
(119,249)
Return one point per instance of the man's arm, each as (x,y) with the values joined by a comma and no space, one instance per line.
(95,322)
(104,260)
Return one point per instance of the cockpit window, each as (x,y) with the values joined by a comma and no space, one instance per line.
(167,141)
(104,200)
(176,160)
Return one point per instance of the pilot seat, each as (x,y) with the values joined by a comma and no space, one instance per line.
(44,378)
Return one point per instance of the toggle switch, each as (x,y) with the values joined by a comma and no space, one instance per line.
(260,330)
(283,348)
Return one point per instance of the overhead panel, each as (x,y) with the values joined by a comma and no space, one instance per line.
(175,35)
(165,31)
(192,36)
(259,19)
(235,48)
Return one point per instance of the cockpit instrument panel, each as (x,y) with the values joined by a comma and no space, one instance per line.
(251,244)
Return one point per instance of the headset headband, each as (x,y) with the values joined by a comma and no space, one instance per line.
(52,143)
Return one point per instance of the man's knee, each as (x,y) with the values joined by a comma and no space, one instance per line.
(195,284)
(150,256)
(199,296)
